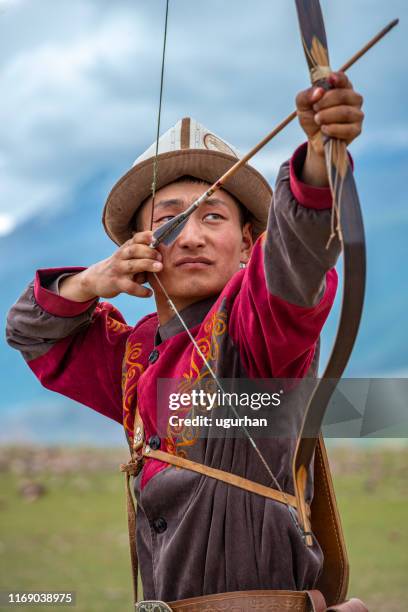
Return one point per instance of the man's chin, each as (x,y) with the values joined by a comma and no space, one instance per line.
(194,286)
(195,291)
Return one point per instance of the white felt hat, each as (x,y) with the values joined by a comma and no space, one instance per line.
(190,149)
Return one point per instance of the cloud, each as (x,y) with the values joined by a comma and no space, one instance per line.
(7,224)
(80,84)
(394,138)
(269,162)
(61,120)
(7,3)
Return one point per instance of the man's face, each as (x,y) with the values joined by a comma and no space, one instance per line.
(210,248)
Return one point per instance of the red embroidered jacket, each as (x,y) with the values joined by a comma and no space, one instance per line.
(265,324)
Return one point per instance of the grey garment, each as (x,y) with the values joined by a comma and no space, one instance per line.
(54,284)
(33,331)
(214,537)
(196,535)
(296,243)
(217,538)
(192,315)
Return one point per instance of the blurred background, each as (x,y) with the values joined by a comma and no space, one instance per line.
(80,87)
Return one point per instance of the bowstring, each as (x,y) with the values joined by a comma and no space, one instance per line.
(170,301)
(156,155)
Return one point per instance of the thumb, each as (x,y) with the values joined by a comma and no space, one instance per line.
(305,99)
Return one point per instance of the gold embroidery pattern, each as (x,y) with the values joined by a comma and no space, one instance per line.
(112,323)
(132,369)
(178,438)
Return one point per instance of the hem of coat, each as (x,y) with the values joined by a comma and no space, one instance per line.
(53,303)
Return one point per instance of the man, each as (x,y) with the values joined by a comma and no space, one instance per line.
(254,299)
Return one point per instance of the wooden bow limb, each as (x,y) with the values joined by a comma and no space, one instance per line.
(350,230)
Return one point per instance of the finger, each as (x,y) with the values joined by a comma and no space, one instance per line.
(138,237)
(342,131)
(136,266)
(339,114)
(145,237)
(140,278)
(139,251)
(305,99)
(340,80)
(337,97)
(133,288)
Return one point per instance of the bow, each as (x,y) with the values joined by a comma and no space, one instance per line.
(347,223)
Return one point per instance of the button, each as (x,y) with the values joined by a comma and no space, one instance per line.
(154,442)
(154,355)
(159,525)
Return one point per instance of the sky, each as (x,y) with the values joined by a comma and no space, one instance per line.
(79,102)
(80,83)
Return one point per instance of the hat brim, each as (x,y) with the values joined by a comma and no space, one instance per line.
(127,195)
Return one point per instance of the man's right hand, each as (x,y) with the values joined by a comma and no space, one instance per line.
(123,272)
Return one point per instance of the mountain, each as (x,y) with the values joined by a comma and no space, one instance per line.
(69,236)
(72,235)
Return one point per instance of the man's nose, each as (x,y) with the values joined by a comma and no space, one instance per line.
(192,234)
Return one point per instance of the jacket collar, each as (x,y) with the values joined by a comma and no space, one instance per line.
(192,315)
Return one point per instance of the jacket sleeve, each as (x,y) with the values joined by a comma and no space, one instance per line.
(73,348)
(289,286)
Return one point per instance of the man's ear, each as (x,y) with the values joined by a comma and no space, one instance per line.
(247,242)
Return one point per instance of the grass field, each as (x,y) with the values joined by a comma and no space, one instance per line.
(73,535)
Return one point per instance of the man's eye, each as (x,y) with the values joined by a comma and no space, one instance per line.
(213,217)
(162,220)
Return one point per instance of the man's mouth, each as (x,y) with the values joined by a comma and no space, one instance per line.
(195,263)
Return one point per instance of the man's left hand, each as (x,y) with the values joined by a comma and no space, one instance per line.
(336,113)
